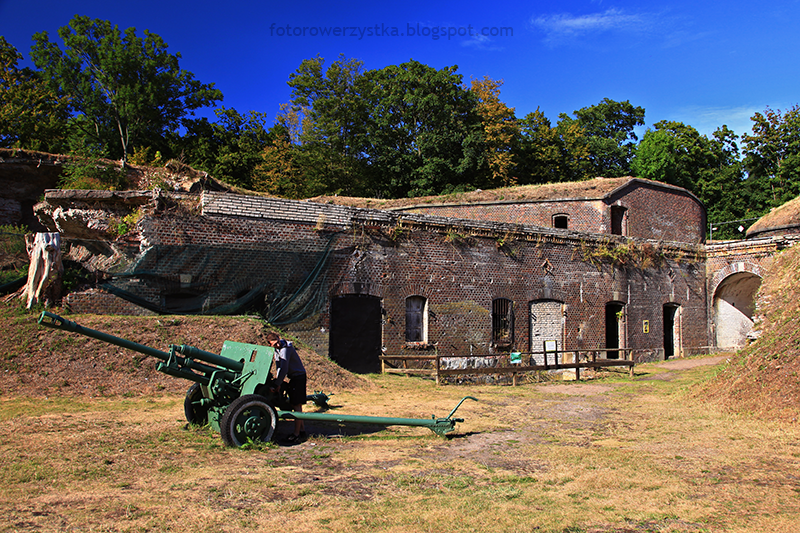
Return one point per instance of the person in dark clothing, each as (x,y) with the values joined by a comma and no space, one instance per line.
(288,365)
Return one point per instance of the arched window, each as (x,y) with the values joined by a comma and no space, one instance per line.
(561,221)
(416,319)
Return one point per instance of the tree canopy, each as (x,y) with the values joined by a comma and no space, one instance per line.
(610,139)
(402,130)
(31,114)
(675,153)
(129,90)
(772,157)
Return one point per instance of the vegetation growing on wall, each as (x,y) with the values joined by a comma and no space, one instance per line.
(13,253)
(627,253)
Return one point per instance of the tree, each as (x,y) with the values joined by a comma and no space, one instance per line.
(331,113)
(772,157)
(239,141)
(278,173)
(129,88)
(678,154)
(403,130)
(610,138)
(423,133)
(499,130)
(725,193)
(31,115)
(547,154)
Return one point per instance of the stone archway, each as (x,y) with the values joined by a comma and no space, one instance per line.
(733,307)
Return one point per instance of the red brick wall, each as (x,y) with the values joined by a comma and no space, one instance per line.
(661,213)
(584,215)
(394,256)
(653,212)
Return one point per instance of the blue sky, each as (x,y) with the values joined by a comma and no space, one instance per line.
(697,62)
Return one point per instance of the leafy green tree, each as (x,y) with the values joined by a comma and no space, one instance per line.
(424,135)
(678,154)
(130,89)
(330,126)
(547,154)
(279,173)
(610,138)
(402,130)
(238,141)
(725,193)
(772,157)
(31,114)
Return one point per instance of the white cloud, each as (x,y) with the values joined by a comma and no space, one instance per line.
(567,26)
(481,42)
(707,119)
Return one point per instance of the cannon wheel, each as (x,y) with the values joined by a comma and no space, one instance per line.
(195,413)
(248,417)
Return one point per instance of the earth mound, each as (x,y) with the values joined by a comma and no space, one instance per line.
(39,361)
(762,378)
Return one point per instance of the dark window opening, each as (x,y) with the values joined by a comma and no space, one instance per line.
(560,221)
(184,302)
(502,323)
(614,317)
(416,319)
(618,220)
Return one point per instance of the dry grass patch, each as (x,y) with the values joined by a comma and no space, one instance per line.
(626,456)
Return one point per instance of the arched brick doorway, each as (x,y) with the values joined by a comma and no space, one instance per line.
(733,309)
(546,324)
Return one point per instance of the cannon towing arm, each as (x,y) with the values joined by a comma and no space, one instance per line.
(440,426)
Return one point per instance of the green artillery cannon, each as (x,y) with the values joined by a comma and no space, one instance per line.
(235,392)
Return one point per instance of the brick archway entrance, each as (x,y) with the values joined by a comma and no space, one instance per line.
(733,309)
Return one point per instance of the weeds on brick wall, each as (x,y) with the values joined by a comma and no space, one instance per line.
(397,232)
(186,206)
(504,240)
(360,238)
(127,223)
(622,254)
(457,238)
(651,256)
(159,180)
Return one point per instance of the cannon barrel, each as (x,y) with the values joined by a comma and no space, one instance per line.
(54,321)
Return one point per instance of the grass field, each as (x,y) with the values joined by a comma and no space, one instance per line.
(612,454)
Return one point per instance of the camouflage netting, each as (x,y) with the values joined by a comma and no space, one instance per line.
(285,282)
